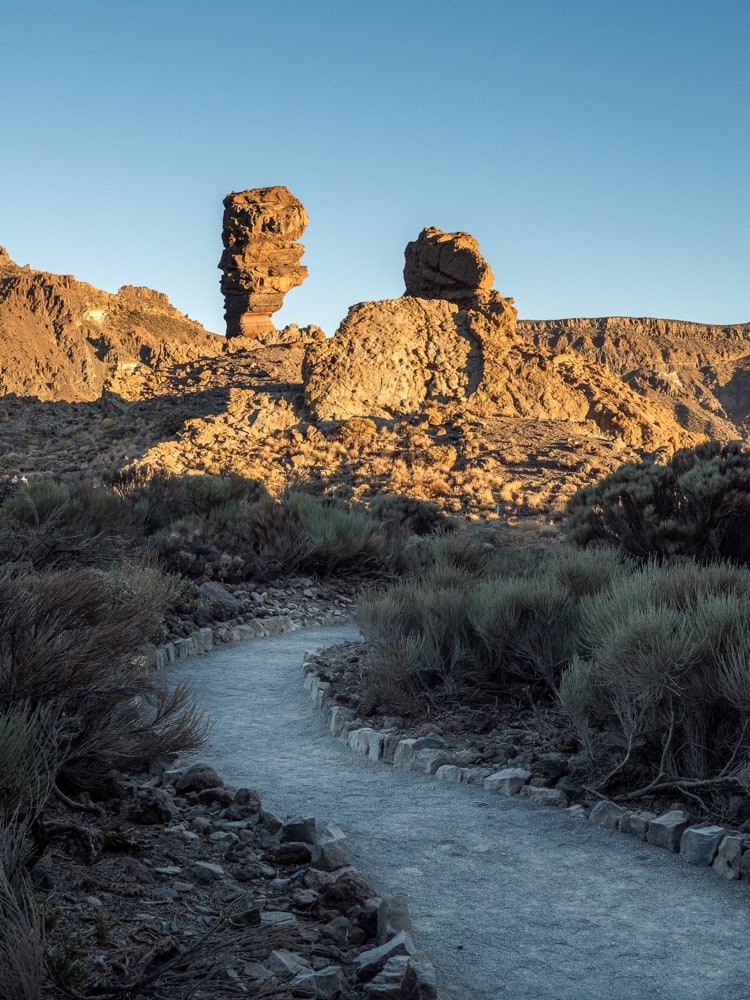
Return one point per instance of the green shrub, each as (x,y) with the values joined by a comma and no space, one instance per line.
(659,696)
(418,640)
(159,499)
(697,505)
(340,537)
(528,627)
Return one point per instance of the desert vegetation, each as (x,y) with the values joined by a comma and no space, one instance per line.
(639,633)
(635,628)
(697,504)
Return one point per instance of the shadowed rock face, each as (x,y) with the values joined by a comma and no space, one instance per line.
(261,259)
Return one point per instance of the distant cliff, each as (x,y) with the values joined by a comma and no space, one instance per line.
(701,372)
(62,339)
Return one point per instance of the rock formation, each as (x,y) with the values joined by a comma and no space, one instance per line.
(434,345)
(449,266)
(261,258)
(454,341)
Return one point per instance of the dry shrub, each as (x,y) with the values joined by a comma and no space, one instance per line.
(67,645)
(31,751)
(418,640)
(21,923)
(262,541)
(697,505)
(529,627)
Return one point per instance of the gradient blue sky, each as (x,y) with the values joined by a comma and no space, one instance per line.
(598,151)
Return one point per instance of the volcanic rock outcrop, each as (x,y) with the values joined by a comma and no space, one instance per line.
(457,344)
(449,266)
(434,345)
(261,258)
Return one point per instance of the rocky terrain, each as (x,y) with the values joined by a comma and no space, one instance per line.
(442,393)
(62,339)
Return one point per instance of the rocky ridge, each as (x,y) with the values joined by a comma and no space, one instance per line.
(451,401)
(62,339)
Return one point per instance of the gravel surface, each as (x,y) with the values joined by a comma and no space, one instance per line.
(513,900)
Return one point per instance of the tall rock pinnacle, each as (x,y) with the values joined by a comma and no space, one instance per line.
(260,262)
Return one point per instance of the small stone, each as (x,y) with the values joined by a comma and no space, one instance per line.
(430,741)
(420,981)
(298,828)
(327,984)
(451,773)
(636,823)
(207,796)
(338,717)
(427,761)
(606,814)
(728,860)
(667,830)
(509,781)
(369,963)
(204,872)
(286,963)
(332,852)
(404,753)
(699,845)
(545,796)
(196,778)
(246,803)
(293,853)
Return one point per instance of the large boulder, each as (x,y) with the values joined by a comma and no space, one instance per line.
(448,266)
(261,258)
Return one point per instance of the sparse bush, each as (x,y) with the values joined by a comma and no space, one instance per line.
(356,429)
(697,505)
(175,420)
(419,517)
(47,523)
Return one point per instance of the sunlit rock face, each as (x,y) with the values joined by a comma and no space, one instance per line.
(261,258)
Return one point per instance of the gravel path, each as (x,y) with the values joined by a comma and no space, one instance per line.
(512,899)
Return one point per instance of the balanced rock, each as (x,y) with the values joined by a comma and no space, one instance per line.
(261,258)
(447,266)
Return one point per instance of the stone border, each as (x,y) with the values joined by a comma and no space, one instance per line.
(206,639)
(725,850)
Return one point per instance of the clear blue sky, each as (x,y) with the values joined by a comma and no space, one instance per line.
(598,150)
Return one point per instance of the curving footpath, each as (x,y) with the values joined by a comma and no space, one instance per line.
(513,900)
